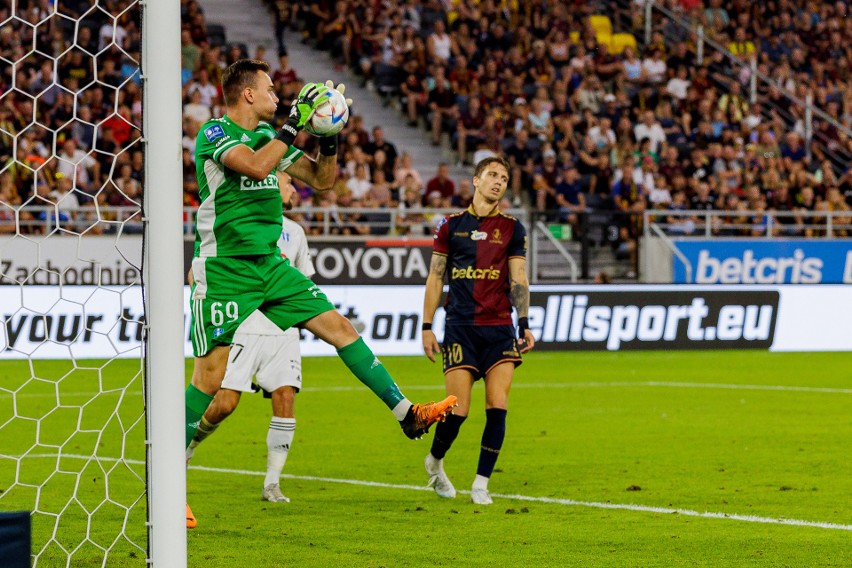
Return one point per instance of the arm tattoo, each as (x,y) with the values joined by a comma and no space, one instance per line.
(521,298)
(438,266)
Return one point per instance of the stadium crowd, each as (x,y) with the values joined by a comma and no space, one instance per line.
(586,123)
(70,122)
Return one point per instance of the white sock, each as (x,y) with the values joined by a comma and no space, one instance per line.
(401,409)
(433,464)
(278,441)
(480,482)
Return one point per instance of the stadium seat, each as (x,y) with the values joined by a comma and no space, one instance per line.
(574,37)
(216,35)
(603,38)
(619,41)
(601,24)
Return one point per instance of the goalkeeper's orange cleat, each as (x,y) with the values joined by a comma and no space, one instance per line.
(421,416)
(191,523)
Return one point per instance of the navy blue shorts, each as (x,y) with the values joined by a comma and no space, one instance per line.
(479,348)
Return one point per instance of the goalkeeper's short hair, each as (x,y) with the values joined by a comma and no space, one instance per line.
(240,74)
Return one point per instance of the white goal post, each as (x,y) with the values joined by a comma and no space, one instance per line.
(163,283)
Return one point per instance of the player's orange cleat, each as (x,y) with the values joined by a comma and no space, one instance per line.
(191,523)
(421,416)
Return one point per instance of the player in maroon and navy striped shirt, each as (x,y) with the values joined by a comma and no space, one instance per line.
(483,254)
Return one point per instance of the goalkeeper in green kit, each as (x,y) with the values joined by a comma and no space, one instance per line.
(237,266)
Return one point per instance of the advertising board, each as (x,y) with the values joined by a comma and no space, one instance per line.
(51,322)
(764,261)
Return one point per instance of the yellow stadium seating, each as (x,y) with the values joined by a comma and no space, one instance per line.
(601,24)
(618,42)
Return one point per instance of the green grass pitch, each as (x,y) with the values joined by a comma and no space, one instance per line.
(611,459)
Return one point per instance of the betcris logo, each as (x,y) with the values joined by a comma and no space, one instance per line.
(757,261)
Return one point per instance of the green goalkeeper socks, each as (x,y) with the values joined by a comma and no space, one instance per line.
(370,371)
(196,403)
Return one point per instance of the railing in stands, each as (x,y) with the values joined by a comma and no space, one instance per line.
(769,224)
(419,222)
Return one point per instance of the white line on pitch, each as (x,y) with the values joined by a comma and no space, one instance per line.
(519,384)
(548,500)
(729,386)
(554,501)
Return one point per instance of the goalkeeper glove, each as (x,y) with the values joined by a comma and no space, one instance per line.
(301,110)
(341,88)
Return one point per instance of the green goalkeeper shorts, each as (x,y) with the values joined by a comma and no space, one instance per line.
(227,290)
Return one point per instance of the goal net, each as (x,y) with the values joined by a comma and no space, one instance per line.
(75,352)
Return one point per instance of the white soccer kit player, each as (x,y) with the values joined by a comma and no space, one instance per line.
(260,348)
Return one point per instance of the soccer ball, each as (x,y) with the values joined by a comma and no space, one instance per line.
(330,117)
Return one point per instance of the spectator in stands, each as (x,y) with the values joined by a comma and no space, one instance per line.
(380,162)
(469,129)
(601,182)
(379,142)
(415,95)
(83,130)
(607,66)
(602,136)
(441,184)
(380,190)
(464,196)
(590,94)
(202,83)
(545,178)
(284,74)
(78,166)
(190,132)
(726,166)
(195,110)
(538,121)
(67,202)
(569,197)
(411,198)
(716,16)
(654,68)
(404,169)
(359,184)
(678,224)
(633,72)
(442,105)
(8,203)
(793,150)
(741,46)
(650,129)
(39,207)
(121,123)
(439,45)
(111,33)
(190,55)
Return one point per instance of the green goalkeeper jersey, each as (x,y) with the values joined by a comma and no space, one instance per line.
(237,216)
